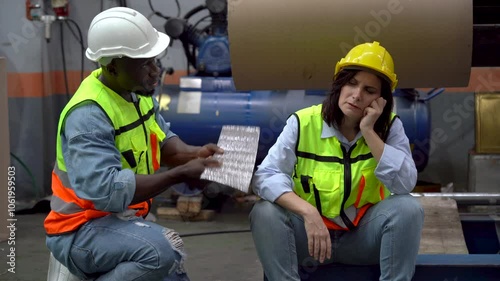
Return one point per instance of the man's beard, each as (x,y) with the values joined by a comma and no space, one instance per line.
(146,94)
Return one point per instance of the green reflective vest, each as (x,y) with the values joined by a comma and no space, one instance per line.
(137,134)
(329,177)
(137,138)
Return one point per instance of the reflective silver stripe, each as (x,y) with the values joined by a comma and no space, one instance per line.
(63,176)
(65,208)
(59,205)
(351,213)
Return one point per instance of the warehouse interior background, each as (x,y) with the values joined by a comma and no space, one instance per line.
(37,92)
(42,70)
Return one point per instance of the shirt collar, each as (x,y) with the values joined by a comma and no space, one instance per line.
(328,132)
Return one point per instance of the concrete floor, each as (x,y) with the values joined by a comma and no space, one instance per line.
(219,257)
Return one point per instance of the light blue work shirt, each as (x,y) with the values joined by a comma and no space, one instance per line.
(396,168)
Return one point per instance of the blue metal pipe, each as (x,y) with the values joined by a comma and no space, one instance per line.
(197,111)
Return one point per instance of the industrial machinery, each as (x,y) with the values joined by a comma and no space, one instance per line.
(208,99)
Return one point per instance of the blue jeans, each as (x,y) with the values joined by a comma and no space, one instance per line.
(388,234)
(110,248)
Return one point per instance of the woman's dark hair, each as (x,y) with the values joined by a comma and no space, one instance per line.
(333,115)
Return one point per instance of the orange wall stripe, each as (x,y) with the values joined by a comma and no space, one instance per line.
(43,84)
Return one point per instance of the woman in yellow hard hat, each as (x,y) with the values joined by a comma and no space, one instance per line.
(335,186)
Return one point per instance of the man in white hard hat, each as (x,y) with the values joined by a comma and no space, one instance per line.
(111,140)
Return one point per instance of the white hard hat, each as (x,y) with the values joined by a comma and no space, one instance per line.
(121,31)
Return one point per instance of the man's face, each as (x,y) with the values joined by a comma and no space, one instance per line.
(140,76)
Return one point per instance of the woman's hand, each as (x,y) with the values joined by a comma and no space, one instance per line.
(318,236)
(371,114)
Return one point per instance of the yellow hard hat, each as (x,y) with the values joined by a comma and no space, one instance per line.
(371,56)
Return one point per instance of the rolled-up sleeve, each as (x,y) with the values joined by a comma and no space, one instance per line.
(396,168)
(274,175)
(93,161)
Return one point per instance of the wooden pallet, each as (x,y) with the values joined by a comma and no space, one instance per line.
(174,214)
(188,208)
(442,232)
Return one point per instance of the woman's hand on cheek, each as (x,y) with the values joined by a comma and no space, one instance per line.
(371,113)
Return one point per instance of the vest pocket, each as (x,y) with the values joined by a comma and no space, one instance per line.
(129,157)
(139,148)
(328,196)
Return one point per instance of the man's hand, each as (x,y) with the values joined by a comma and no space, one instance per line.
(318,237)
(208,150)
(193,169)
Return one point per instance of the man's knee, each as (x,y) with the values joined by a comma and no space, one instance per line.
(166,254)
(171,257)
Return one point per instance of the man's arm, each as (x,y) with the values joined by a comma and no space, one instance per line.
(175,152)
(148,186)
(94,167)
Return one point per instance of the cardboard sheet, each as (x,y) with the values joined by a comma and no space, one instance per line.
(295,44)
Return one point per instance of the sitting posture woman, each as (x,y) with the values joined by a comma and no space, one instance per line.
(335,185)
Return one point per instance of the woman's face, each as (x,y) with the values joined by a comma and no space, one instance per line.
(358,93)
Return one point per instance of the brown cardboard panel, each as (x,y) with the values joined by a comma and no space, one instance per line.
(295,44)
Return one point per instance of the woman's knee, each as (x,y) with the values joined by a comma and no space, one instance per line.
(407,207)
(266,213)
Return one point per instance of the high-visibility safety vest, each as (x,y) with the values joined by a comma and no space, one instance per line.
(137,137)
(331,178)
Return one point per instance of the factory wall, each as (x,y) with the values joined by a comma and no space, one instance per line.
(36,84)
(37,91)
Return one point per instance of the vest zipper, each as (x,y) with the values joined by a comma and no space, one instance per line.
(347,185)
(136,104)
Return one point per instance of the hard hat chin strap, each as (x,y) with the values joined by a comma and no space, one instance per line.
(107,60)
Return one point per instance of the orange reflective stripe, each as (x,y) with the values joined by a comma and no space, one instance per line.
(331,225)
(382,193)
(69,211)
(57,223)
(360,191)
(68,194)
(154,151)
(361,213)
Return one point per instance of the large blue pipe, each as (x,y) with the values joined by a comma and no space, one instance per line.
(198,111)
